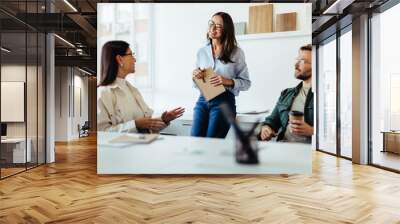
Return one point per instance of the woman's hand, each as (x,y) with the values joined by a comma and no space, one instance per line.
(168,116)
(198,73)
(217,80)
(153,124)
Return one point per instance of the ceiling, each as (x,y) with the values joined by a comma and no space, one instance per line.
(76,25)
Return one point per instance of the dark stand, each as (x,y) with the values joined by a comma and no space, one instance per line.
(246,147)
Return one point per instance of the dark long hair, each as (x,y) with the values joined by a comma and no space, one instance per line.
(228,39)
(109,65)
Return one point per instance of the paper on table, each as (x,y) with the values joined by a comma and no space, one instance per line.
(135,138)
(208,90)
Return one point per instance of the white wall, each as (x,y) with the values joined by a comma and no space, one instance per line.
(66,101)
(17,73)
(12,100)
(81,103)
(179,31)
(14,73)
(33,126)
(61,103)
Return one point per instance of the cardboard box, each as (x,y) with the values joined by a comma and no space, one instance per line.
(260,19)
(286,22)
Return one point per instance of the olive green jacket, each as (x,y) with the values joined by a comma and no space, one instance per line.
(279,118)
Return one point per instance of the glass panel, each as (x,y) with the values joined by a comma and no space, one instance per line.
(41,98)
(31,98)
(385,86)
(32,86)
(13,85)
(346,94)
(327,97)
(23,88)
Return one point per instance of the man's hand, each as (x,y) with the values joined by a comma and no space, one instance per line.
(267,133)
(301,128)
(168,116)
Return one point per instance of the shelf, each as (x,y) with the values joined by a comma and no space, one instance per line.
(272,35)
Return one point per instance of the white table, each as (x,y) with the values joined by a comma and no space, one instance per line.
(18,151)
(192,155)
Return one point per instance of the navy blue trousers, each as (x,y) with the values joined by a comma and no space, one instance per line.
(208,120)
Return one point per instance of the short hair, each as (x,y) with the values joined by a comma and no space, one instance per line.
(307,47)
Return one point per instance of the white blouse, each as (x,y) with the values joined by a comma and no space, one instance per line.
(118,105)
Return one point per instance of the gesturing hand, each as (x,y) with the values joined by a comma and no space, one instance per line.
(153,124)
(168,116)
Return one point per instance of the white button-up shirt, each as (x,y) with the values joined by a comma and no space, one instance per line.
(118,105)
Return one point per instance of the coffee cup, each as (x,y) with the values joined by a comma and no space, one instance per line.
(296,115)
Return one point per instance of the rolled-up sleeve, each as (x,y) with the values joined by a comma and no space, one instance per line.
(241,80)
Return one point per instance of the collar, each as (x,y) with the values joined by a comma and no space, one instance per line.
(116,84)
(113,85)
(299,86)
(307,86)
(210,55)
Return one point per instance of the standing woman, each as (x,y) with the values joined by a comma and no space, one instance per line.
(120,106)
(230,70)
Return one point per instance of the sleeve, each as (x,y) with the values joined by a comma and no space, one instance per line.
(197,65)
(147,110)
(241,81)
(104,121)
(273,120)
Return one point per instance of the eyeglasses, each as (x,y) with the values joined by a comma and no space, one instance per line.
(212,24)
(130,54)
(301,61)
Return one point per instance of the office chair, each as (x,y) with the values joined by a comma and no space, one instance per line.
(84,130)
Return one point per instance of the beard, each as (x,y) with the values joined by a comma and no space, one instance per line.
(303,76)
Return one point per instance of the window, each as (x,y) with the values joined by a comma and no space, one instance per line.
(394,101)
(346,94)
(130,23)
(385,89)
(327,97)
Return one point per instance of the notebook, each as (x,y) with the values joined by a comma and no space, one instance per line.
(208,90)
(135,138)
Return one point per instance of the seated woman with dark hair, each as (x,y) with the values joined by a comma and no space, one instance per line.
(120,106)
